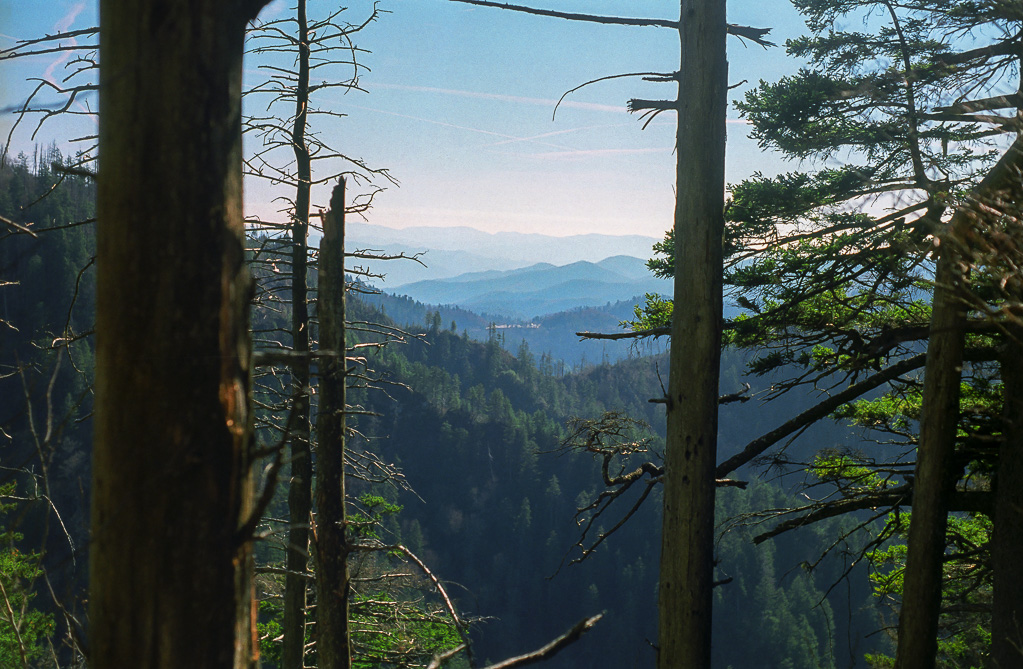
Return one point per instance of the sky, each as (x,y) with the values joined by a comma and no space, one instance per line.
(458,102)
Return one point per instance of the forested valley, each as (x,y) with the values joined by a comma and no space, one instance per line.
(481,436)
(221,445)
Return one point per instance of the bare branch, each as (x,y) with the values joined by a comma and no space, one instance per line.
(976,501)
(551,649)
(590,18)
(636,105)
(745,32)
(661,76)
(662,331)
(17,227)
(762,443)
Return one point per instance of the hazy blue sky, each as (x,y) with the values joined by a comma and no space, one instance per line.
(459,108)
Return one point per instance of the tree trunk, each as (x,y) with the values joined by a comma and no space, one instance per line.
(333,582)
(1007,607)
(933,481)
(687,542)
(300,490)
(1007,539)
(170,572)
(921,599)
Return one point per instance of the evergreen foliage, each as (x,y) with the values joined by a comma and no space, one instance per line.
(25,630)
(830,292)
(479,433)
(831,268)
(47,309)
(495,424)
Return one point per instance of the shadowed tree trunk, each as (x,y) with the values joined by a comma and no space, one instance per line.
(687,543)
(1007,542)
(333,582)
(932,484)
(170,568)
(1007,607)
(934,480)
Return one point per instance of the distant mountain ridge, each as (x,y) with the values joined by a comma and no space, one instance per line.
(542,288)
(451,251)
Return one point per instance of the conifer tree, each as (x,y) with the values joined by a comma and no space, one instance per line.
(832,266)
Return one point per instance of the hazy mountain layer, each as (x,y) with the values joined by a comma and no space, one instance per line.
(456,250)
(541,289)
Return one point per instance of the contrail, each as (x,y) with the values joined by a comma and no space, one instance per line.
(61,26)
(558,132)
(502,98)
(511,138)
(592,153)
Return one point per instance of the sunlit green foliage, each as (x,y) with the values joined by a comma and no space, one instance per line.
(393,632)
(373,510)
(387,631)
(395,618)
(965,635)
(25,631)
(845,472)
(654,313)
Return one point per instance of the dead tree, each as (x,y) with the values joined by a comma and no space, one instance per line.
(312,43)
(171,556)
(333,580)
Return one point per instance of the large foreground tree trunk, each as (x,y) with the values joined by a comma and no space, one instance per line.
(170,570)
(687,543)
(1007,539)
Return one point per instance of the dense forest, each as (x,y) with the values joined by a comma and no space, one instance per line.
(221,447)
(47,368)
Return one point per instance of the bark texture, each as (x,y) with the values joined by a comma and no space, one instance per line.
(686,577)
(170,570)
(333,581)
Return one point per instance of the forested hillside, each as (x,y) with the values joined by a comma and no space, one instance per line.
(553,334)
(47,312)
(480,435)
(221,448)
(494,424)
